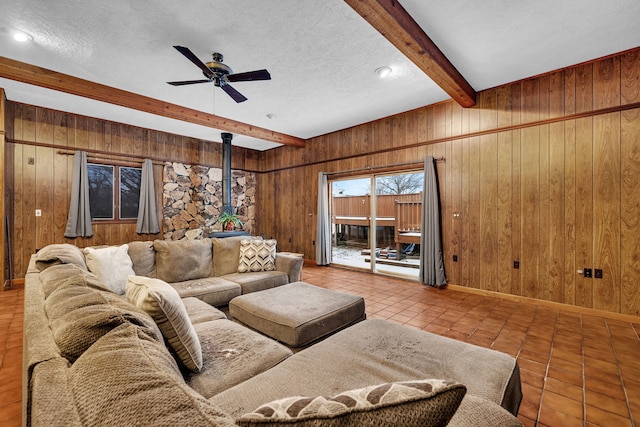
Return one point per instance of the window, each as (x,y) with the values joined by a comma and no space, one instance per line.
(114,192)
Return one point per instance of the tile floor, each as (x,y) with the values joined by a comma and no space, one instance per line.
(577,369)
(11,314)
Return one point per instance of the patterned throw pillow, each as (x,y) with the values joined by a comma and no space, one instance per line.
(412,403)
(257,255)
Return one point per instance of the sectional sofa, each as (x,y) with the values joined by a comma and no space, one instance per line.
(156,351)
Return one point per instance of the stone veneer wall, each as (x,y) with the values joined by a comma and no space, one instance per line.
(192,199)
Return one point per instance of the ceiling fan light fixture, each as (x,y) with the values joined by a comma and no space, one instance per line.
(22,37)
(383,72)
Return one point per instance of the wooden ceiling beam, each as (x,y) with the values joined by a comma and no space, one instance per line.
(397,26)
(37,76)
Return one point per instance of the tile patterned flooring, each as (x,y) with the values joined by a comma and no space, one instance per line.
(577,369)
(11,314)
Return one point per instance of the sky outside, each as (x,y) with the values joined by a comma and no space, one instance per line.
(351,187)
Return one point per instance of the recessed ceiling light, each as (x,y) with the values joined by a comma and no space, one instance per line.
(383,72)
(22,37)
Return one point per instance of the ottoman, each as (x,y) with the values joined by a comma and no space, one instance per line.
(298,313)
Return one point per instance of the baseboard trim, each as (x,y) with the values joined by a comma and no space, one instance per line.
(551,304)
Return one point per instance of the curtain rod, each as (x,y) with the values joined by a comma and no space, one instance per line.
(371,168)
(131,160)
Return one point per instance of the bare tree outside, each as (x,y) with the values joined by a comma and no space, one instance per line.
(400,184)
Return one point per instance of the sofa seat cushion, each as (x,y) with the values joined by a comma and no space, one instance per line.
(419,403)
(215,291)
(232,354)
(129,378)
(375,352)
(258,281)
(180,260)
(79,316)
(297,313)
(200,312)
(164,305)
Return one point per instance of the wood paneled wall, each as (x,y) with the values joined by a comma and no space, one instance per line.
(544,171)
(39,177)
(3,254)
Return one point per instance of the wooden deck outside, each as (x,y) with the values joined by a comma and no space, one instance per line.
(403,212)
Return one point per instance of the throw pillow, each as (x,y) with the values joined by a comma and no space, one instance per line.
(165,306)
(127,378)
(180,260)
(112,265)
(80,315)
(59,253)
(257,255)
(408,404)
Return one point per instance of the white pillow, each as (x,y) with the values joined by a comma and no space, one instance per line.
(112,265)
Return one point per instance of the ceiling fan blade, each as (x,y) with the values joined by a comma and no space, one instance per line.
(237,96)
(189,82)
(249,75)
(191,57)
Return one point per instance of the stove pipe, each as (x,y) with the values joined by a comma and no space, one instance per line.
(226,172)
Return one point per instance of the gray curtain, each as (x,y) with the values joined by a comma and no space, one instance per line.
(431,259)
(323,230)
(147,214)
(79,220)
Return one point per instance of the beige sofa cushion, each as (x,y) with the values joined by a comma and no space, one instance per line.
(257,255)
(111,265)
(63,275)
(215,291)
(62,253)
(181,260)
(164,305)
(420,403)
(143,257)
(226,254)
(200,312)
(79,316)
(128,378)
(231,354)
(258,281)
(352,359)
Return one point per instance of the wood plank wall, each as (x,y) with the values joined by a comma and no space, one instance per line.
(3,254)
(544,171)
(45,184)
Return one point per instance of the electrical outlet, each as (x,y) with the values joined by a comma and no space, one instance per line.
(588,272)
(597,273)
(38,212)
(516,264)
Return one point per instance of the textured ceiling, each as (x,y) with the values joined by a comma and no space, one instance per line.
(321,54)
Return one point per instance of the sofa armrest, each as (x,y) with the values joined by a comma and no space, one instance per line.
(290,264)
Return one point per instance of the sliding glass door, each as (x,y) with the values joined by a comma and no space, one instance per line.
(375,222)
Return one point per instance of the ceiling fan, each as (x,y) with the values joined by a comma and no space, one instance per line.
(220,74)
